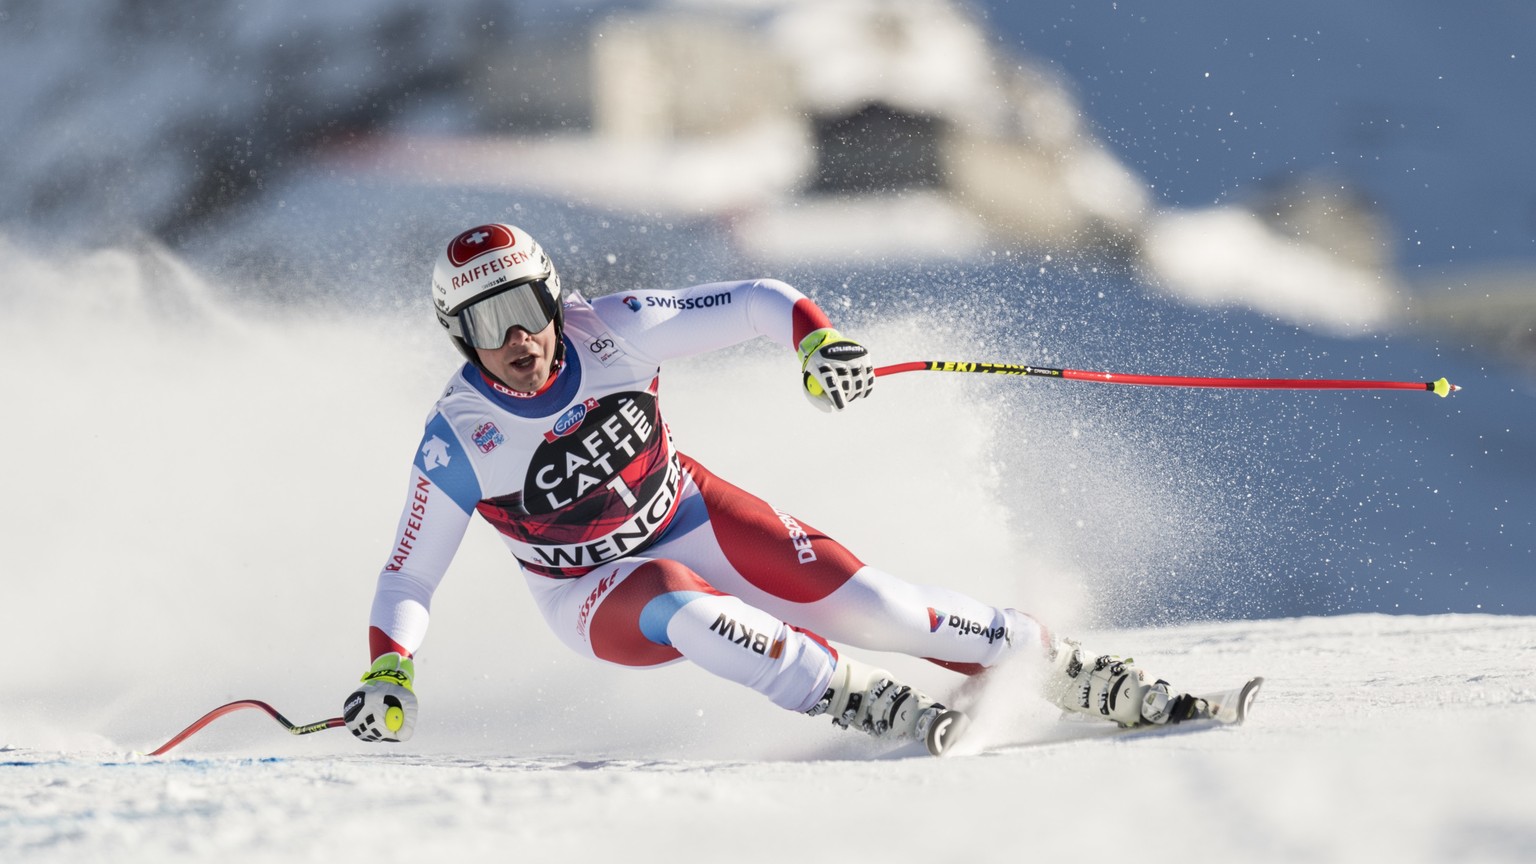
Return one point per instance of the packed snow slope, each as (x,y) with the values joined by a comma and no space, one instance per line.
(1377,738)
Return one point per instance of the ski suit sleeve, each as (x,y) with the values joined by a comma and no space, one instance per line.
(438,505)
(679,323)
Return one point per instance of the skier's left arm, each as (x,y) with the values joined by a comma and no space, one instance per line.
(441,496)
(666,324)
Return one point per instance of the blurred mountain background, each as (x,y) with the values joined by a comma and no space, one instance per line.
(1391,136)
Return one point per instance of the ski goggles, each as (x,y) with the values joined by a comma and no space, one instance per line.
(485,323)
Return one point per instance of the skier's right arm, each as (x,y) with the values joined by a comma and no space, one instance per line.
(442,494)
(664,324)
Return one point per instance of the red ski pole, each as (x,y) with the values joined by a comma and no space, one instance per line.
(247,703)
(1441,387)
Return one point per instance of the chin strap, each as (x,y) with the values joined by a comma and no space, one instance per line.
(554,372)
(555,368)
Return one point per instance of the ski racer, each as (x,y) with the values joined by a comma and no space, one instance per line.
(635,553)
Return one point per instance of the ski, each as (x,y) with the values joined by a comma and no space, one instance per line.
(1225,707)
(1199,710)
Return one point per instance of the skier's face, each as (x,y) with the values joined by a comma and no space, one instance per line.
(523,362)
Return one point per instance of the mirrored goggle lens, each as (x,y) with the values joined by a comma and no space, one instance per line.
(486,323)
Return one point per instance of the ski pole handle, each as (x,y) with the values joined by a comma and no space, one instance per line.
(1441,387)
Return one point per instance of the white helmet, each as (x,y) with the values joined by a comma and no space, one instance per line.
(492,278)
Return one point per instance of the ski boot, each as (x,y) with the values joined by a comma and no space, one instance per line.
(1114,689)
(867,699)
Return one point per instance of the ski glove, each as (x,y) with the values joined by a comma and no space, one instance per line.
(835,370)
(383,708)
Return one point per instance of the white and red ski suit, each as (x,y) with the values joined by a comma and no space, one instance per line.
(638,555)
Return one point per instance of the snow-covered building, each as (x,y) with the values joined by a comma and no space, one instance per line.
(816,109)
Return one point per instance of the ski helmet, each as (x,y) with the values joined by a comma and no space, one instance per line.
(490,279)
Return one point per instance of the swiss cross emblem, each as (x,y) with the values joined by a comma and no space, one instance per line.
(479,241)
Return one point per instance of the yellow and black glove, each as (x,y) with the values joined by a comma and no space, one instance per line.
(383,708)
(834,369)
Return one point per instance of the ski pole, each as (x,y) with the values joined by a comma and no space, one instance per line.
(247,703)
(1440,388)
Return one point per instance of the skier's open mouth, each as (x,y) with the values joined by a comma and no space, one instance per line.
(524,363)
